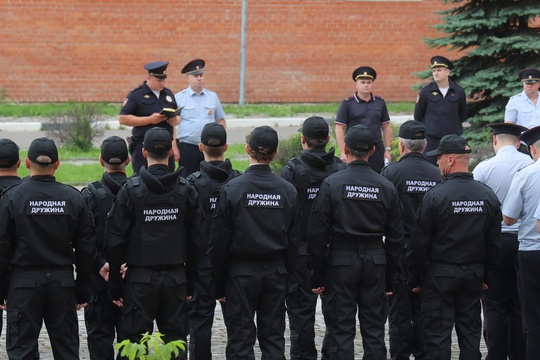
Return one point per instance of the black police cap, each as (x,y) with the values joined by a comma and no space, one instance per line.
(264,140)
(507,128)
(9,153)
(531,136)
(213,134)
(157,140)
(364,72)
(529,76)
(194,67)
(315,127)
(43,151)
(441,61)
(157,69)
(451,144)
(412,130)
(114,150)
(359,138)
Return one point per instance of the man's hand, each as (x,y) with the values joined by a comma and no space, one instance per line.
(123,270)
(104,271)
(222,300)
(3,306)
(176,150)
(343,157)
(119,302)
(318,291)
(156,118)
(80,306)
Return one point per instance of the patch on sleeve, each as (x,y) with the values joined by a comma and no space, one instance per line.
(125,102)
(417,98)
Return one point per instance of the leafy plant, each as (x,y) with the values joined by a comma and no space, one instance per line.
(151,347)
(77,127)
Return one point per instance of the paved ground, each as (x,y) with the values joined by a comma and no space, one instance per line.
(219,338)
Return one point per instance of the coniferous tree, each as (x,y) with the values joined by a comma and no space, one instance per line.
(497,38)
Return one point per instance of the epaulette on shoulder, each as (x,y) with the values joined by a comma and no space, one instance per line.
(378,97)
(349,98)
(137,88)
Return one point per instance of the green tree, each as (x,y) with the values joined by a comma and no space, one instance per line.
(497,39)
(151,347)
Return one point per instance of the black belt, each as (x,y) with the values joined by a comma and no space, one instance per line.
(356,245)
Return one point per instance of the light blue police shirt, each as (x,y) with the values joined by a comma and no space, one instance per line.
(521,110)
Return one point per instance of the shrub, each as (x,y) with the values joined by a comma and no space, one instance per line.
(288,149)
(151,347)
(77,127)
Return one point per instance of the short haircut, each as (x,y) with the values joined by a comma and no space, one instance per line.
(214,151)
(416,145)
(361,155)
(157,157)
(318,143)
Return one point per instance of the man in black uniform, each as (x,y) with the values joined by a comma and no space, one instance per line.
(42,223)
(454,244)
(306,173)
(441,105)
(154,226)
(369,110)
(355,208)
(9,164)
(253,243)
(215,171)
(101,316)
(142,109)
(412,176)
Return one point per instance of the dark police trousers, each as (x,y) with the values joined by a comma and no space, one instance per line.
(529,293)
(201,314)
(301,306)
(503,328)
(405,321)
(260,287)
(102,319)
(355,280)
(190,158)
(155,294)
(42,295)
(450,296)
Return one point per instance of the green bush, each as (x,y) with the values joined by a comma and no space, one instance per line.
(151,347)
(77,127)
(287,149)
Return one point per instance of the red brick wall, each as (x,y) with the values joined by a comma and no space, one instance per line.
(297,51)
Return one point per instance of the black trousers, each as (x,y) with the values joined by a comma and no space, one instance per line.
(355,282)
(405,322)
(450,296)
(37,296)
(155,295)
(102,319)
(376,161)
(503,328)
(256,287)
(301,306)
(529,293)
(201,314)
(190,158)
(432,144)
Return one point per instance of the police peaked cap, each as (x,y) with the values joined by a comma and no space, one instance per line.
(194,67)
(364,72)
(507,128)
(441,61)
(531,136)
(157,69)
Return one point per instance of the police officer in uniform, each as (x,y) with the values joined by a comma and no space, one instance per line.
(154,226)
(503,328)
(520,204)
(45,229)
(200,106)
(142,109)
(253,242)
(441,105)
(369,110)
(412,176)
(215,171)
(454,244)
(101,316)
(524,108)
(306,173)
(354,209)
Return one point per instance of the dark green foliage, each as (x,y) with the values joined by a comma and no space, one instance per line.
(287,149)
(497,41)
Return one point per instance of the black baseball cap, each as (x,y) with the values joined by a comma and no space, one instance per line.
(451,144)
(213,134)
(43,151)
(264,140)
(359,138)
(507,128)
(9,153)
(531,136)
(412,130)
(157,140)
(114,150)
(315,127)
